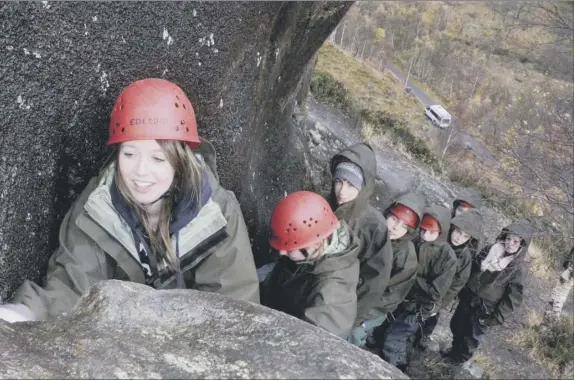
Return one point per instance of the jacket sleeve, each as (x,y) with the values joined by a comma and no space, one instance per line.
(460,278)
(77,264)
(332,303)
(230,269)
(399,286)
(375,272)
(512,298)
(443,272)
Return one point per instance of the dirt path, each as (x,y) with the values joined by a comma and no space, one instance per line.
(499,355)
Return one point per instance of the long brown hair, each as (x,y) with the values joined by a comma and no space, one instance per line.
(186,187)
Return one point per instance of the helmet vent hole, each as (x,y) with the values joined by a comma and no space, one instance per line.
(184,107)
(316,222)
(288,230)
(177,97)
(294,229)
(304,222)
(289,224)
(187,129)
(317,235)
(122,107)
(182,122)
(117,123)
(123,129)
(309,225)
(311,219)
(176,128)
(176,105)
(294,242)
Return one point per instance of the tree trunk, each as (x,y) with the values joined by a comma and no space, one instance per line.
(363,51)
(333,34)
(411,65)
(447,142)
(352,46)
(474,85)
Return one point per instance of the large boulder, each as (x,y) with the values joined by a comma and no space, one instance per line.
(127,330)
(64,63)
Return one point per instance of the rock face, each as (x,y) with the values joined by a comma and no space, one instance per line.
(127,330)
(63,64)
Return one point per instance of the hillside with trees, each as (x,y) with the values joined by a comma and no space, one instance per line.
(505,72)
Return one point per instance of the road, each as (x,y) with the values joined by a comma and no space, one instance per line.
(459,135)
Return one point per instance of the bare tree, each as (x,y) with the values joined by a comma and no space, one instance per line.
(554,16)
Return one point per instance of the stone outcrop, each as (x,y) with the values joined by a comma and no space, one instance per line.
(127,330)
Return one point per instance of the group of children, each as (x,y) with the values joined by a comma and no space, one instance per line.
(383,278)
(156,214)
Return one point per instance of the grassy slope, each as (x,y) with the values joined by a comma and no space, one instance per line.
(368,86)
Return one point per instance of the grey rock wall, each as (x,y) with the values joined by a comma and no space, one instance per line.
(63,64)
(127,330)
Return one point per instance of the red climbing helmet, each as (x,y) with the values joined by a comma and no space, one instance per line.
(406,215)
(464,204)
(430,224)
(300,219)
(153,109)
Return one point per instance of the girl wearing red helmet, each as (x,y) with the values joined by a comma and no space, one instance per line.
(403,217)
(316,276)
(155,214)
(464,235)
(435,271)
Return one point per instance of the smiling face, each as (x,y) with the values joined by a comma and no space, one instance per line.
(512,243)
(145,170)
(344,191)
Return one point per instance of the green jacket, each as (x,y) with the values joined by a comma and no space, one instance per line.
(322,293)
(97,244)
(470,222)
(436,268)
(405,262)
(498,294)
(375,251)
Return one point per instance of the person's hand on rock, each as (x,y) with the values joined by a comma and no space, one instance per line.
(16,313)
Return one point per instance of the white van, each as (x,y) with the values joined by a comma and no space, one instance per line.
(438,115)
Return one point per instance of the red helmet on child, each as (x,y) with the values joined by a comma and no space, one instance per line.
(430,224)
(153,109)
(299,220)
(406,215)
